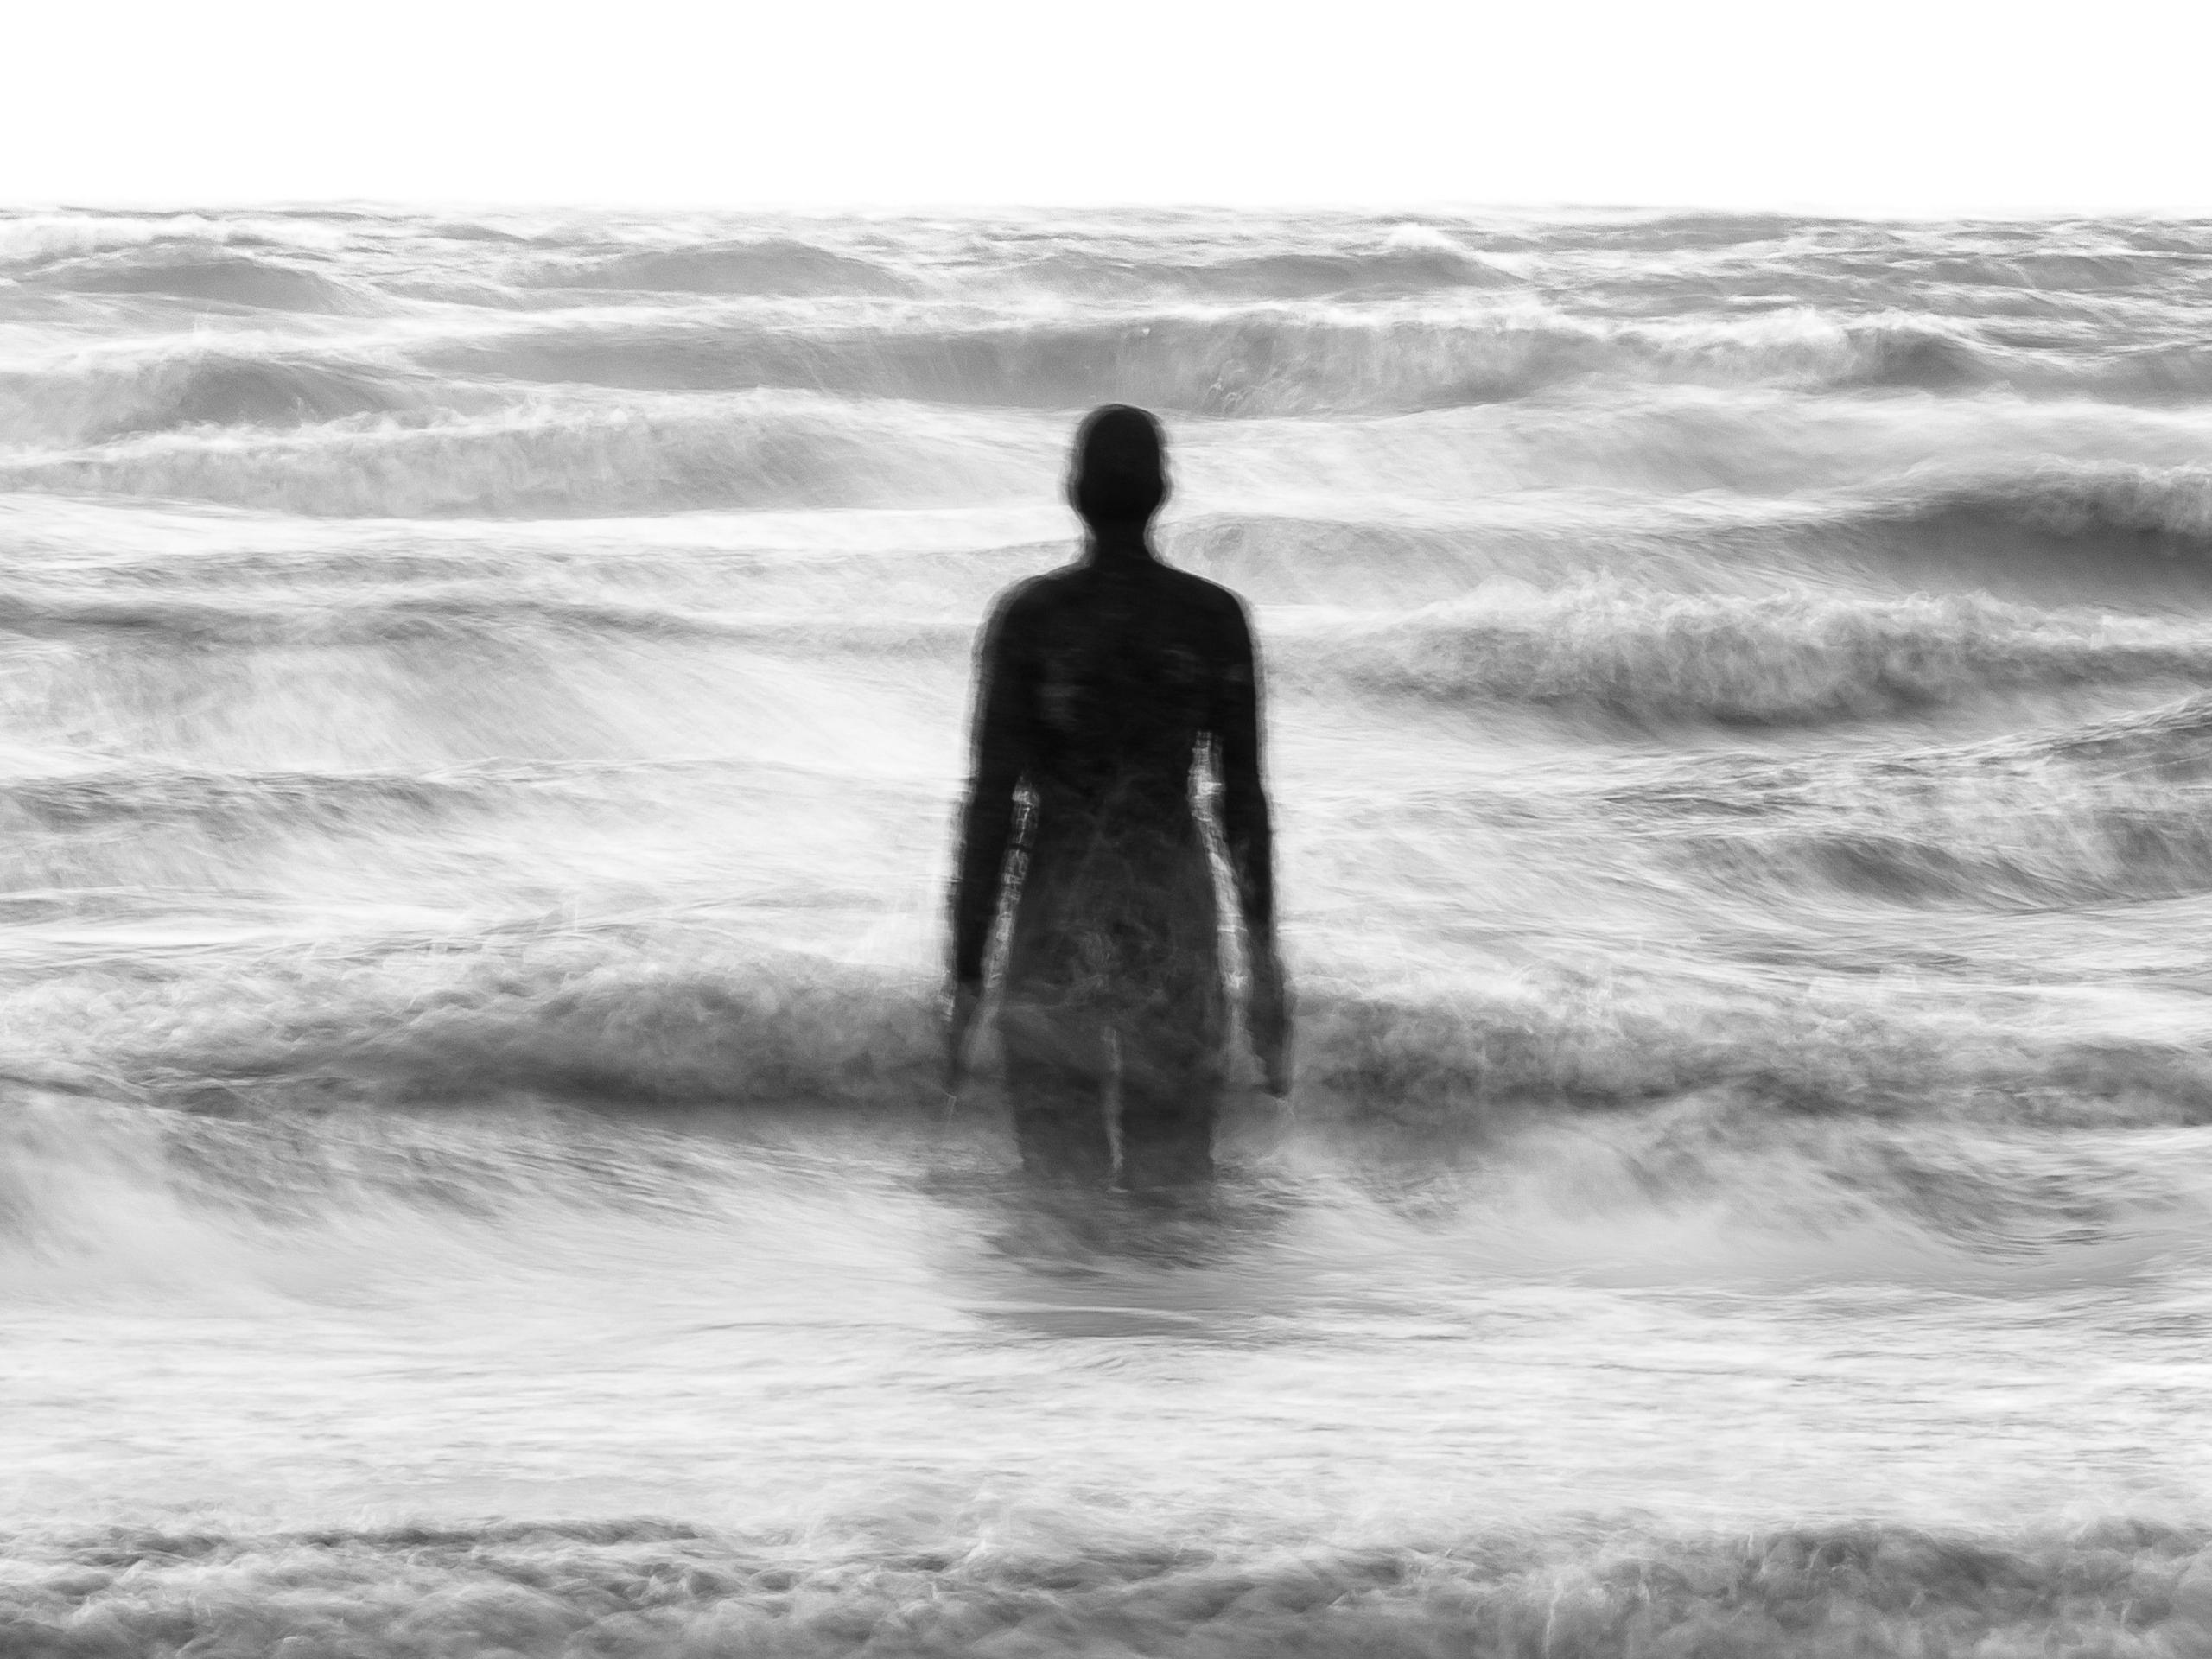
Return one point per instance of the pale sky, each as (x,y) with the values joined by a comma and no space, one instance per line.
(1936,106)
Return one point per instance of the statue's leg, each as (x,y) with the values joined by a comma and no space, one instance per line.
(1057,1066)
(1170,1090)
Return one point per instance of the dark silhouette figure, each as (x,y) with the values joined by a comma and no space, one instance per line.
(1105,691)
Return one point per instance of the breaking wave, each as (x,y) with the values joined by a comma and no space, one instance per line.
(666,1015)
(1255,360)
(31,240)
(1260,360)
(2089,500)
(1754,660)
(1602,648)
(205,387)
(219,275)
(1413,266)
(561,460)
(2117,811)
(771,267)
(237,803)
(460,612)
(640,1587)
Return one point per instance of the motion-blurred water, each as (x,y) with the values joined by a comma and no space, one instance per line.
(483,702)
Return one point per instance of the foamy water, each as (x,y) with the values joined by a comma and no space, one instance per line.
(483,700)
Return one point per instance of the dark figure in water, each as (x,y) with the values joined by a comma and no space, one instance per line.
(1105,690)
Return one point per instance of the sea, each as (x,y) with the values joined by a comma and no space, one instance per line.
(483,699)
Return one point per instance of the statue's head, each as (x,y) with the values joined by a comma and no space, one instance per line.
(1118,477)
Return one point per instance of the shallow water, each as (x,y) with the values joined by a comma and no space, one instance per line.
(484,702)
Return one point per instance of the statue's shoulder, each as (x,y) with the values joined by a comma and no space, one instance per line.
(1207,597)
(1026,598)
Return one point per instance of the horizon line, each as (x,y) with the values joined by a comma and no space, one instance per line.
(1857,212)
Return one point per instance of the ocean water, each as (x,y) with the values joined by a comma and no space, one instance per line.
(482,705)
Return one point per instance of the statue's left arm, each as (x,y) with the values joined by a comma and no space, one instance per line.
(1249,837)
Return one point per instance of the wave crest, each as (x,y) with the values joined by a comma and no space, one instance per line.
(1410,265)
(217,276)
(667,1016)
(555,461)
(1752,660)
(771,267)
(1262,359)
(2074,500)
(102,401)
(2113,812)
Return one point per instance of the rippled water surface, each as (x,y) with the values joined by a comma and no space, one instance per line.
(480,707)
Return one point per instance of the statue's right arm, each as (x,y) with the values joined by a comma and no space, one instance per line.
(987,818)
